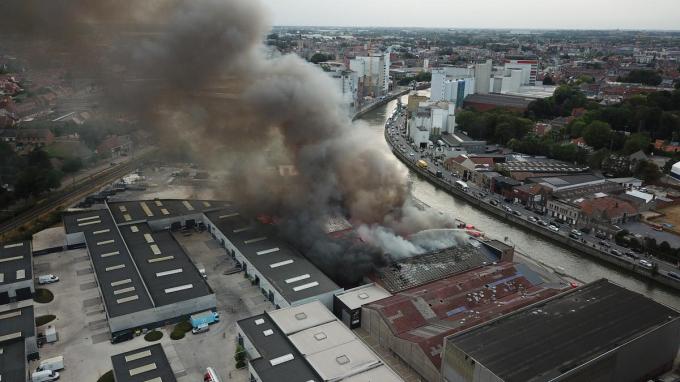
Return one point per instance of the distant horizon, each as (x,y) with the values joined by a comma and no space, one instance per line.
(596,15)
(474,28)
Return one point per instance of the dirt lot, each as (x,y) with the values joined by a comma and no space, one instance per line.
(83,329)
(672,216)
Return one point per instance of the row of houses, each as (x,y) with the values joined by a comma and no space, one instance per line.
(569,193)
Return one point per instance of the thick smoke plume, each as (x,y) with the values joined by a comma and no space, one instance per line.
(197,72)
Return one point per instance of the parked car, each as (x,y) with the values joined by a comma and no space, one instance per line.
(615,252)
(554,228)
(573,236)
(542,223)
(200,329)
(604,244)
(674,275)
(493,202)
(576,232)
(646,264)
(47,279)
(532,219)
(516,213)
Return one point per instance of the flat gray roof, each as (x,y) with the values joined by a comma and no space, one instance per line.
(357,297)
(15,262)
(293,276)
(545,340)
(13,361)
(143,210)
(567,180)
(272,344)
(16,325)
(120,283)
(14,321)
(142,365)
(136,268)
(500,100)
(163,265)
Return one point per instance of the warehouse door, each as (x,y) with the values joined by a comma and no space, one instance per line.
(24,294)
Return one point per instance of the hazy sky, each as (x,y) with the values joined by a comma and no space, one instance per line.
(543,14)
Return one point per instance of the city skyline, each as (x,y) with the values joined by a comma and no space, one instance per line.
(492,14)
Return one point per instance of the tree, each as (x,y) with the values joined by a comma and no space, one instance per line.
(597,158)
(541,109)
(72,165)
(38,176)
(642,76)
(321,57)
(636,142)
(647,171)
(240,356)
(597,134)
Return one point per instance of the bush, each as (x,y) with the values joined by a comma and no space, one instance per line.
(183,326)
(43,296)
(107,377)
(240,357)
(153,335)
(42,320)
(177,334)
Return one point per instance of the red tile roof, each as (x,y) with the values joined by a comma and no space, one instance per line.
(609,206)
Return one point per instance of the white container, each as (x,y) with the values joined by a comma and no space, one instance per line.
(54,364)
(51,334)
(44,376)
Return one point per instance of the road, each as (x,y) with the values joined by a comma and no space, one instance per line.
(398,139)
(534,246)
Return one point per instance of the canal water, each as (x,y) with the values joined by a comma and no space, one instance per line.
(578,266)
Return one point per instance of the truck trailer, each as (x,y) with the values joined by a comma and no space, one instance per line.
(204,318)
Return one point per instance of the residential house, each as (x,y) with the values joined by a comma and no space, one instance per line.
(534,196)
(564,210)
(607,210)
(115,146)
(672,147)
(29,139)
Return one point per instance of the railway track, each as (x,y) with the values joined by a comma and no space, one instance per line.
(69,196)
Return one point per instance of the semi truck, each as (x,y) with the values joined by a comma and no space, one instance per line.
(204,318)
(421,164)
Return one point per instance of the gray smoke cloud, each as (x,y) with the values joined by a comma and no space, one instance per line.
(197,72)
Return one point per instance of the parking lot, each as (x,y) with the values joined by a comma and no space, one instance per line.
(84,338)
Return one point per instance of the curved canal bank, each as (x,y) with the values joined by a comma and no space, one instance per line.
(537,248)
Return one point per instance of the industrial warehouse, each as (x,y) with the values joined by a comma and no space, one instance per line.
(285,276)
(17,343)
(599,332)
(145,278)
(16,272)
(413,323)
(142,365)
(308,343)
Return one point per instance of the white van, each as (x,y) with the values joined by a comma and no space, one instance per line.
(54,364)
(44,376)
(47,279)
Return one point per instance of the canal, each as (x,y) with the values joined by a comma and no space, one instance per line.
(580,267)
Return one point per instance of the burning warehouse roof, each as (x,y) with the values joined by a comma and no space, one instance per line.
(421,269)
(425,315)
